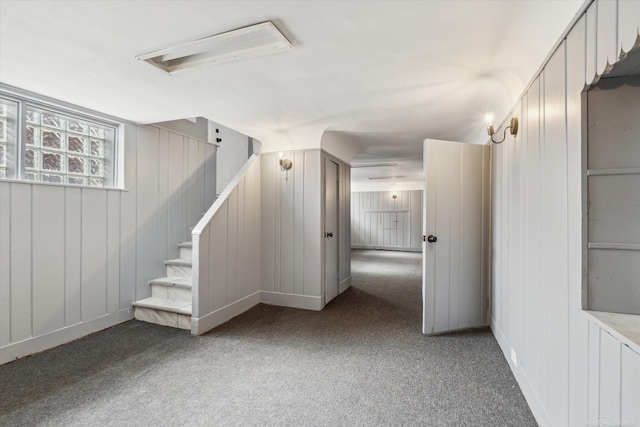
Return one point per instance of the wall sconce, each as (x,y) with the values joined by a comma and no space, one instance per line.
(513,126)
(394,196)
(285,165)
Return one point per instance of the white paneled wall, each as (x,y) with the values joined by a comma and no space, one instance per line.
(233,152)
(374,215)
(72,260)
(262,241)
(571,371)
(292,227)
(226,252)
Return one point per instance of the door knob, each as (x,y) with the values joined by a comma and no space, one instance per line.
(330,234)
(432,238)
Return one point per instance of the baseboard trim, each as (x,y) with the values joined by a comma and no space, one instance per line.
(61,336)
(200,325)
(387,248)
(304,302)
(344,285)
(530,396)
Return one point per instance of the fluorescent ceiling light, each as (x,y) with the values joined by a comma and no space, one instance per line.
(247,42)
(373,165)
(388,177)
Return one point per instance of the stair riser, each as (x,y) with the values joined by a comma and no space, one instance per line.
(172,293)
(186,254)
(178,271)
(165,318)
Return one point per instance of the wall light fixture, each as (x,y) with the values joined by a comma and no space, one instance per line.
(513,127)
(285,165)
(394,196)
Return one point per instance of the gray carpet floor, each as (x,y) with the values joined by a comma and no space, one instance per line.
(362,361)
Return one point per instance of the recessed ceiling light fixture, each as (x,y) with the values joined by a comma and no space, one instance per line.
(373,165)
(388,177)
(248,42)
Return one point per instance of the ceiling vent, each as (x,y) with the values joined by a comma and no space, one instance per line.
(248,42)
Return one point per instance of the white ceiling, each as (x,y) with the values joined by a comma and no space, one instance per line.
(386,74)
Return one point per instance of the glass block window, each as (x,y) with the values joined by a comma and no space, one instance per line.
(56,146)
(8,132)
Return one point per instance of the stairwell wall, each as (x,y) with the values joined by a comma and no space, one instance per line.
(73,259)
(226,252)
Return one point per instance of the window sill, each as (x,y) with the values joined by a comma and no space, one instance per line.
(624,327)
(55,184)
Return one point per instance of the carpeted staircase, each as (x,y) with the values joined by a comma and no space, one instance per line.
(170,301)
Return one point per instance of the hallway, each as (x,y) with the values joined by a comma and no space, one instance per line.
(360,361)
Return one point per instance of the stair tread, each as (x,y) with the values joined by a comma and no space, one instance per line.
(185,245)
(178,261)
(164,305)
(179,282)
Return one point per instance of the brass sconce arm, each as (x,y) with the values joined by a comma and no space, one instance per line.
(513,126)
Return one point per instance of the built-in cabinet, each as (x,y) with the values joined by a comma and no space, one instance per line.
(381,221)
(612,196)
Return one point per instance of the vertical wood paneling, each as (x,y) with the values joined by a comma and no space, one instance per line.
(94,254)
(277,176)
(429,253)
(48,259)
(254,237)
(184,184)
(515,236)
(73,253)
(218,259)
(607,33)
(298,224)
(573,372)
(609,380)
(470,300)
(368,228)
(192,186)
(128,231)
(202,283)
(81,252)
(163,204)
(202,206)
(578,328)
(442,213)
(267,226)
(496,226)
(628,27)
(593,411)
(415,216)
(455,236)
(313,273)
(287,231)
(113,251)
(555,237)
(241,255)
(210,175)
(232,247)
(629,387)
(175,191)
(486,236)
(147,211)
(591,35)
(5,265)
(533,280)
(21,262)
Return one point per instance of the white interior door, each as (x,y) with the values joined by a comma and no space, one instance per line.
(331,231)
(454,219)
